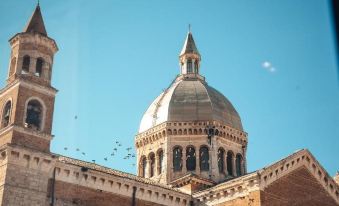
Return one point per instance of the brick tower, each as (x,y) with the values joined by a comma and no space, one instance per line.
(27,104)
(27,101)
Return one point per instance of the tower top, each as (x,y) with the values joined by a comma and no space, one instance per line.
(189,45)
(36,23)
(189,58)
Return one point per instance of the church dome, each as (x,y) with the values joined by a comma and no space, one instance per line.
(190,99)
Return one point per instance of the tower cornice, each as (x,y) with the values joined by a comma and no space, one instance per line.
(34,38)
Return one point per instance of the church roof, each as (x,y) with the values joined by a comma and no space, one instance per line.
(297,178)
(106,170)
(36,23)
(190,100)
(189,45)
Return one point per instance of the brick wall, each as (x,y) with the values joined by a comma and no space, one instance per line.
(297,188)
(24,186)
(67,194)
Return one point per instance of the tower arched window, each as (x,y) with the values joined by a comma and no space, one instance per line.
(160,161)
(177,159)
(190,158)
(38,67)
(143,164)
(238,163)
(196,67)
(221,163)
(152,164)
(6,113)
(204,159)
(25,64)
(230,163)
(189,66)
(34,112)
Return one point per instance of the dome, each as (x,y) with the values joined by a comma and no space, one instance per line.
(190,100)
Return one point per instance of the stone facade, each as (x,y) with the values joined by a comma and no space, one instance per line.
(31,175)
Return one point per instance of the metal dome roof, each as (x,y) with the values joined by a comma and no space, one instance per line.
(190,100)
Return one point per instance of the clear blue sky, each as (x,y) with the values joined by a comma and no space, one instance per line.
(115,57)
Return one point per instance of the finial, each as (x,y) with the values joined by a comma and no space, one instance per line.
(38,2)
(189,28)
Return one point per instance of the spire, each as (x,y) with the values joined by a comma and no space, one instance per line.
(36,23)
(189,58)
(189,45)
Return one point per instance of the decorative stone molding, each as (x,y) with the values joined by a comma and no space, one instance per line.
(229,190)
(190,128)
(27,158)
(27,131)
(116,182)
(35,39)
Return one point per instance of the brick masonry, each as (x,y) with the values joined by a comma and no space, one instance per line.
(30,175)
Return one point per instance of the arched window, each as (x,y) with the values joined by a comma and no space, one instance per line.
(152,164)
(6,114)
(204,159)
(221,156)
(38,67)
(196,64)
(33,115)
(177,159)
(190,158)
(161,161)
(230,163)
(238,162)
(25,64)
(12,68)
(143,164)
(189,66)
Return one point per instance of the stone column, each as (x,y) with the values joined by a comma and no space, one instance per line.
(184,168)
(148,168)
(32,65)
(18,64)
(213,156)
(244,161)
(197,156)
(225,163)
(234,166)
(156,166)
(45,70)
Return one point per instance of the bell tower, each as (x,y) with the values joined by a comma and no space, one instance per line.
(27,101)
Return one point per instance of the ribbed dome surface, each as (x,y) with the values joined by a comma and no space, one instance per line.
(190,100)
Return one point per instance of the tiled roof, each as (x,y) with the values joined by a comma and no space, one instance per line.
(113,172)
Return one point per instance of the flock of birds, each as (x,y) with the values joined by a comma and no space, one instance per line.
(114,152)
